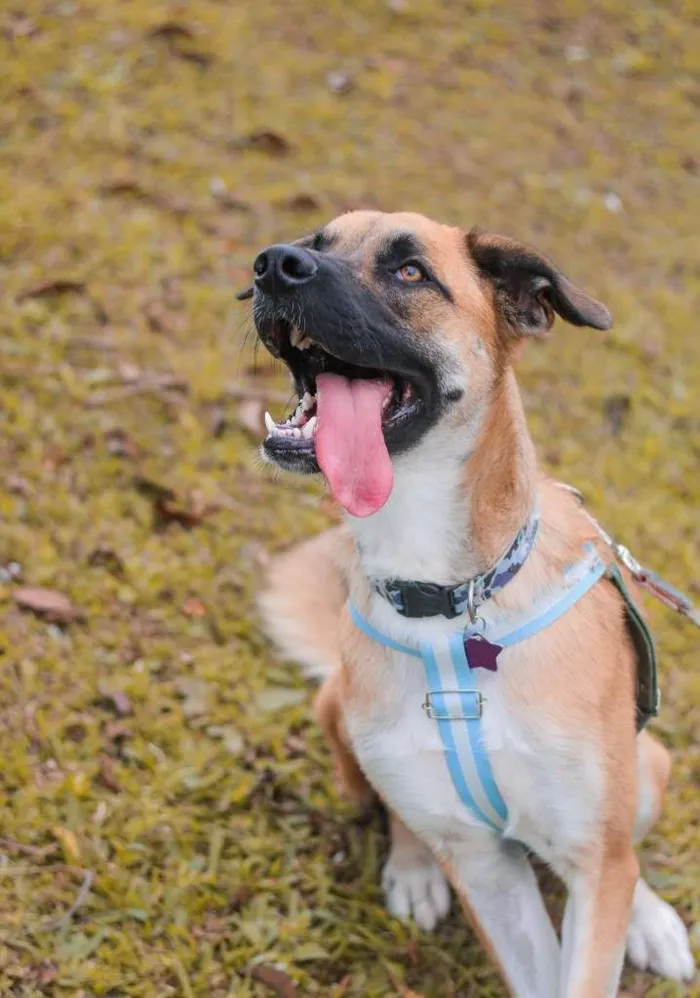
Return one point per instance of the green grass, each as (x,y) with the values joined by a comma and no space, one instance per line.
(205,812)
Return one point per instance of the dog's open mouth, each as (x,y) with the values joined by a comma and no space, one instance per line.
(346,417)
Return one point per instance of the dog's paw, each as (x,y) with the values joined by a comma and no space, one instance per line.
(657,939)
(414,887)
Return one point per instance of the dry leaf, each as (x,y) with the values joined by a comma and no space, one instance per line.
(47,603)
(193,607)
(178,39)
(108,775)
(281,983)
(50,286)
(159,199)
(59,286)
(107,558)
(268,142)
(167,511)
(250,415)
(302,203)
(167,508)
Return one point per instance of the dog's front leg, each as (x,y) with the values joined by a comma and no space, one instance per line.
(500,895)
(595,926)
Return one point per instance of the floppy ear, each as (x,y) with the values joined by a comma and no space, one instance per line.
(529,289)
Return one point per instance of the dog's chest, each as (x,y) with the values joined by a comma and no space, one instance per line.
(550,784)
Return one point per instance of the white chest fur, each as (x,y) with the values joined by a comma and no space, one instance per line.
(549,781)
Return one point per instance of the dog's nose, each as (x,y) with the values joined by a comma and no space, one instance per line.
(283,268)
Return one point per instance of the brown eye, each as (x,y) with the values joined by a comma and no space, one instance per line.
(411,273)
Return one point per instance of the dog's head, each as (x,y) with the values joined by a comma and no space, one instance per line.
(390,325)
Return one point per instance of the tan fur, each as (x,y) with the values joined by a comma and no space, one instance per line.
(577,677)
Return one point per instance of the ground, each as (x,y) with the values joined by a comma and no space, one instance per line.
(169,820)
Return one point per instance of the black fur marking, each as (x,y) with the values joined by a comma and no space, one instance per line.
(529,288)
(358,332)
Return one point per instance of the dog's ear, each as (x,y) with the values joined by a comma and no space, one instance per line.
(529,289)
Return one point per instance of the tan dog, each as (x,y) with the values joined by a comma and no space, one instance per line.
(399,333)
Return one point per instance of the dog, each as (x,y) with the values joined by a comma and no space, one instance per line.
(400,333)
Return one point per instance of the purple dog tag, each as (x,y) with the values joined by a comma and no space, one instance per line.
(481,654)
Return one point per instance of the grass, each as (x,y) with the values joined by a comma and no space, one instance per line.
(169,821)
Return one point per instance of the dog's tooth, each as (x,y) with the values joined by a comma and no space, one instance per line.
(305,343)
(308,429)
(308,401)
(295,335)
(296,432)
(270,424)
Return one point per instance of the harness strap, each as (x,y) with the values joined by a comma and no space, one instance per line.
(454,698)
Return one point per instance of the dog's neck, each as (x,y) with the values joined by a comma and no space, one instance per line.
(459,498)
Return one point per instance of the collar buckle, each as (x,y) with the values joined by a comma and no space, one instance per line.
(427,599)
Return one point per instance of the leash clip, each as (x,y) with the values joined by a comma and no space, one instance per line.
(625,556)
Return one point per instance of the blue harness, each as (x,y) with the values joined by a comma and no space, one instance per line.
(454,699)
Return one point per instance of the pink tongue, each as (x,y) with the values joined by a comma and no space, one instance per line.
(350,446)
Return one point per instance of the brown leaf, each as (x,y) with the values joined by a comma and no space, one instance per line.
(229,201)
(178,39)
(268,142)
(104,557)
(250,415)
(171,30)
(118,699)
(194,607)
(52,458)
(153,490)
(50,286)
(166,511)
(302,203)
(59,286)
(168,508)
(241,897)
(47,603)
(159,199)
(281,983)
(108,775)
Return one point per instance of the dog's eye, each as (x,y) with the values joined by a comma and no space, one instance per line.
(319,242)
(412,273)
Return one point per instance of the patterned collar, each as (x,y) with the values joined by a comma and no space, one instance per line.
(427,599)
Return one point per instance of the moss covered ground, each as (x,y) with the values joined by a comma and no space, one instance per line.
(168,822)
